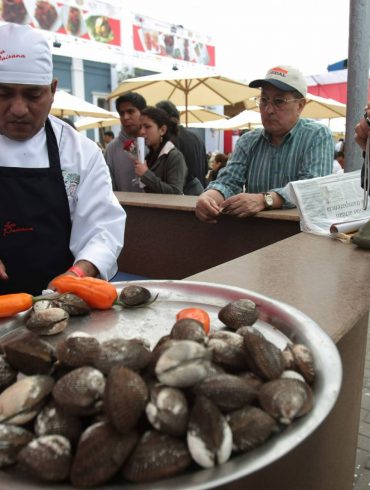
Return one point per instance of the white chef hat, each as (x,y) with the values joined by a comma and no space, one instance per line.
(25,56)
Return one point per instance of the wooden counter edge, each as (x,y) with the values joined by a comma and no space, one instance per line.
(187,203)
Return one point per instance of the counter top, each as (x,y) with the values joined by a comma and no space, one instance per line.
(326,279)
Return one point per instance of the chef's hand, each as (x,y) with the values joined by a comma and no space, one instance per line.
(362,129)
(87,267)
(3,274)
(208,206)
(140,168)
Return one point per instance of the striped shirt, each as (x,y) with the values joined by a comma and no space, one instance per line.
(258,166)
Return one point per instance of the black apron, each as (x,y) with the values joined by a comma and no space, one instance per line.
(35,223)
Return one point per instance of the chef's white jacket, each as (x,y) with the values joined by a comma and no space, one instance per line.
(98,220)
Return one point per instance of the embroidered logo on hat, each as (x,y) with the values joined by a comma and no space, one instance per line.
(8,56)
(285,78)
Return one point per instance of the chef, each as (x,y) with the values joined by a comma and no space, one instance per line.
(58,213)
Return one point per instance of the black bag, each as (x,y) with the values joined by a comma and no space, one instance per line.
(193,187)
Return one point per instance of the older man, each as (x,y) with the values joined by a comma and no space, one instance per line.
(58,213)
(265,160)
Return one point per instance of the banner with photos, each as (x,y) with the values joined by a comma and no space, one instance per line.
(88,20)
(156,38)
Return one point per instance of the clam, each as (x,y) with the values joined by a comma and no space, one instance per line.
(227,391)
(290,373)
(100,454)
(304,362)
(264,358)
(48,322)
(12,439)
(227,350)
(72,304)
(250,427)
(53,420)
(77,350)
(125,398)
(188,329)
(163,343)
(167,410)
(30,354)
(238,313)
(21,401)
(80,391)
(47,458)
(7,374)
(183,364)
(285,399)
(209,436)
(132,353)
(133,295)
(156,456)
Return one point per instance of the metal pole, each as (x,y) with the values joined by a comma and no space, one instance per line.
(358,76)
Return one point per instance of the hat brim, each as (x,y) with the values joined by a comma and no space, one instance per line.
(276,83)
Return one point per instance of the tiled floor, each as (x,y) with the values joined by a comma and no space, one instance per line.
(362,470)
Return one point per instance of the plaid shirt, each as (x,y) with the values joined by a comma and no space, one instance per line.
(257,166)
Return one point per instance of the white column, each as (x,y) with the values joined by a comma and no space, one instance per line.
(78,86)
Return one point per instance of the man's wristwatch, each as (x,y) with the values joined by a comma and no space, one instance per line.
(268,200)
(367,118)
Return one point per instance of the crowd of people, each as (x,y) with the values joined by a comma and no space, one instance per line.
(59,214)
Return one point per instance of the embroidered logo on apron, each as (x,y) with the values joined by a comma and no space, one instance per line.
(71,181)
(11,227)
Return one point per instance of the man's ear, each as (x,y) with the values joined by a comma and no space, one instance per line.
(54,85)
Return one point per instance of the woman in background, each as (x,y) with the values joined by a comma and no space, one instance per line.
(219,161)
(164,170)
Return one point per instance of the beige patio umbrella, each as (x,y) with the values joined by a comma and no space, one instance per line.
(66,104)
(187,87)
(315,108)
(85,123)
(196,114)
(245,120)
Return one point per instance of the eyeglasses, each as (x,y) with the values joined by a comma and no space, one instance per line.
(277,102)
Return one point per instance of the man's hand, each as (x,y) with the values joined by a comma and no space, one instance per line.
(87,267)
(362,129)
(243,205)
(208,206)
(3,274)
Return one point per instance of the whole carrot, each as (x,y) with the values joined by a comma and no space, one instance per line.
(11,304)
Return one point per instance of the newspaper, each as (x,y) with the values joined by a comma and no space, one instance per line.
(330,205)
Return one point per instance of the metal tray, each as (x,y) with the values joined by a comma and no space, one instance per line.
(280,322)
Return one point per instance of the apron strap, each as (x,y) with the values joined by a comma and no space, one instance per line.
(52,145)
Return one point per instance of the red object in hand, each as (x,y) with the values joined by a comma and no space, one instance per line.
(196,314)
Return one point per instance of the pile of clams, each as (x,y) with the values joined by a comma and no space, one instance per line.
(89,411)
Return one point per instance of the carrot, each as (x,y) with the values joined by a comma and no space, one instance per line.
(11,304)
(97,293)
(196,314)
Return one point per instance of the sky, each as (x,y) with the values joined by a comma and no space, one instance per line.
(252,36)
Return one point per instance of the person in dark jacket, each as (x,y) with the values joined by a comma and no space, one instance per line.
(164,170)
(192,147)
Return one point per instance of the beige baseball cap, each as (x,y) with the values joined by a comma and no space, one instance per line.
(285,78)
(25,56)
